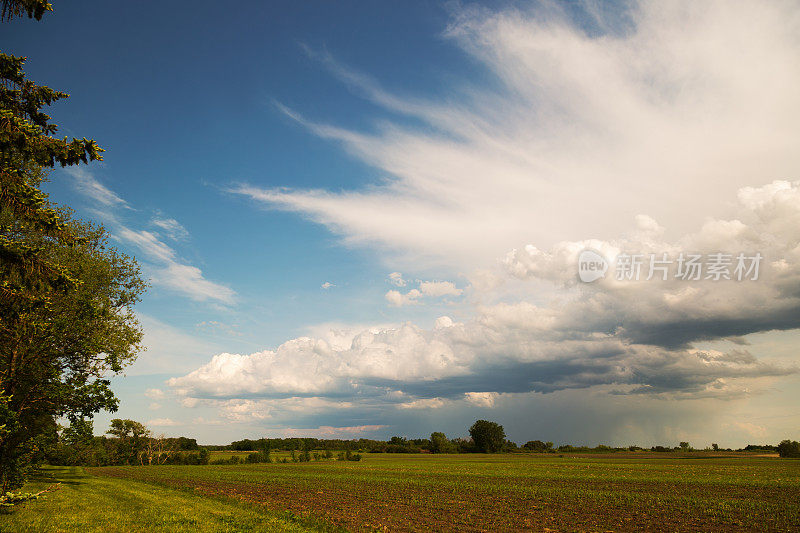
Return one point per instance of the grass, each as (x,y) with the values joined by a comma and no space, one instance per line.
(89,503)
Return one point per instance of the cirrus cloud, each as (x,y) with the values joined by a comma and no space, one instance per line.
(579,132)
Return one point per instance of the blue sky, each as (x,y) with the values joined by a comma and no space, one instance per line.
(363,219)
(186,109)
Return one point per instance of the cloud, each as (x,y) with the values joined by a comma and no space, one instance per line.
(314,367)
(750,429)
(164,266)
(640,338)
(149,243)
(163,422)
(423,403)
(340,335)
(189,281)
(168,271)
(219,328)
(481,399)
(202,422)
(155,406)
(154,394)
(243,410)
(89,186)
(167,350)
(396,278)
(574,134)
(172,228)
(427,289)
(398,299)
(661,134)
(436,289)
(330,432)
(327,285)
(444,322)
(676,312)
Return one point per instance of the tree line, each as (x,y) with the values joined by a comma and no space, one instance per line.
(126,442)
(485,437)
(131,443)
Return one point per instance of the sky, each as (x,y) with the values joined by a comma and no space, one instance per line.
(367,219)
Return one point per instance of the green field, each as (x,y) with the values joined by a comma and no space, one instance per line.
(84,502)
(276,455)
(620,492)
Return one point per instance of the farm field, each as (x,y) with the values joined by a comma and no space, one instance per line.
(620,492)
(276,455)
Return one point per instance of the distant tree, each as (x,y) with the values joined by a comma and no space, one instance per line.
(78,437)
(185,443)
(441,444)
(350,456)
(127,429)
(538,446)
(715,446)
(489,437)
(509,446)
(203,456)
(684,446)
(421,443)
(158,450)
(259,457)
(133,437)
(758,448)
(465,445)
(789,448)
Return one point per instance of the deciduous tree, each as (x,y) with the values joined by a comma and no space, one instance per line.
(789,448)
(441,444)
(489,437)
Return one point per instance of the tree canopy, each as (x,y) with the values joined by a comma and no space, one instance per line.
(789,448)
(16,8)
(489,437)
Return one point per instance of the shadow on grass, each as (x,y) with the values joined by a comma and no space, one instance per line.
(60,474)
(48,479)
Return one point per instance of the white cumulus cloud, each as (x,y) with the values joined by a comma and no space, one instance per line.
(396,278)
(640,337)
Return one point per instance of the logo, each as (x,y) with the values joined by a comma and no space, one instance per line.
(591,266)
